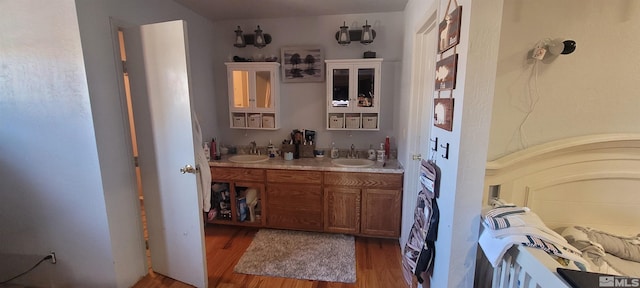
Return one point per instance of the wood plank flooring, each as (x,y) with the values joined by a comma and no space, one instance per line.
(378,264)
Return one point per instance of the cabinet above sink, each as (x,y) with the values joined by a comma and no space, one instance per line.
(254,93)
(353,94)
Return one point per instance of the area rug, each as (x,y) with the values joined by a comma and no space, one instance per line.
(300,255)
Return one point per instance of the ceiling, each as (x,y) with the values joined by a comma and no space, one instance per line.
(216,10)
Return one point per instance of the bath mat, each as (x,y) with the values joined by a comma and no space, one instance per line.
(300,255)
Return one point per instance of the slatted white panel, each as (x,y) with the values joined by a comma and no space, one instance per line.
(589,181)
(526,267)
(608,204)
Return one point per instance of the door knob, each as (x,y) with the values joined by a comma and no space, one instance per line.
(416,156)
(188,169)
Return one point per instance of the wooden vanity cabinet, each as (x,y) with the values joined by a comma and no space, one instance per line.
(230,187)
(358,203)
(294,200)
(367,204)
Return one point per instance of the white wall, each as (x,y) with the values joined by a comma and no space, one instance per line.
(594,90)
(463,173)
(303,104)
(52,194)
(64,152)
(106,101)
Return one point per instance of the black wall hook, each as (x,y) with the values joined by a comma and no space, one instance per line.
(435,144)
(446,151)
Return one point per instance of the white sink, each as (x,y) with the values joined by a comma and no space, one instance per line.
(248,158)
(348,162)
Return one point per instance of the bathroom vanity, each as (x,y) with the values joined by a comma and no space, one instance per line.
(312,195)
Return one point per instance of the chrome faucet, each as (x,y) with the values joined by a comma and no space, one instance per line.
(253,149)
(352,152)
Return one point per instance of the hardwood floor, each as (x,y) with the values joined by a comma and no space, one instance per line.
(378,264)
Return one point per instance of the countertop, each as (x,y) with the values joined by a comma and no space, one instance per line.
(316,164)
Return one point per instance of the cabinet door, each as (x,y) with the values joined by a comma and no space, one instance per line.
(252,89)
(342,210)
(340,94)
(239,85)
(264,90)
(294,199)
(366,87)
(381,212)
(294,206)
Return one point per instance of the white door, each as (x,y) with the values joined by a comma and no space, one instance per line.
(422,103)
(158,66)
(426,43)
(424,107)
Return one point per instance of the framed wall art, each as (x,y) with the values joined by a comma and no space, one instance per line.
(302,64)
(443,113)
(446,73)
(449,30)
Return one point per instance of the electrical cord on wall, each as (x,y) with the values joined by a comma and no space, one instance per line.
(532,98)
(25,272)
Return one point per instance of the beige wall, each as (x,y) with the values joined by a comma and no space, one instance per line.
(594,90)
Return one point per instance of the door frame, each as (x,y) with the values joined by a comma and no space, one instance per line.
(419,92)
(116,25)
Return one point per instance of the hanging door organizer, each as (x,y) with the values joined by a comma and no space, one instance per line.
(419,252)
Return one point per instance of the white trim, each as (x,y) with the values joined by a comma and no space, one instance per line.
(563,146)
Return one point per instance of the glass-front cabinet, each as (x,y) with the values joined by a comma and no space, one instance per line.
(254,95)
(353,94)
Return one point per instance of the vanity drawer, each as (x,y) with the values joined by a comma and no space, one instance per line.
(364,180)
(294,176)
(242,174)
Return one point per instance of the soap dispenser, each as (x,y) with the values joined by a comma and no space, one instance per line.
(372,153)
(207,151)
(271,150)
(334,151)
